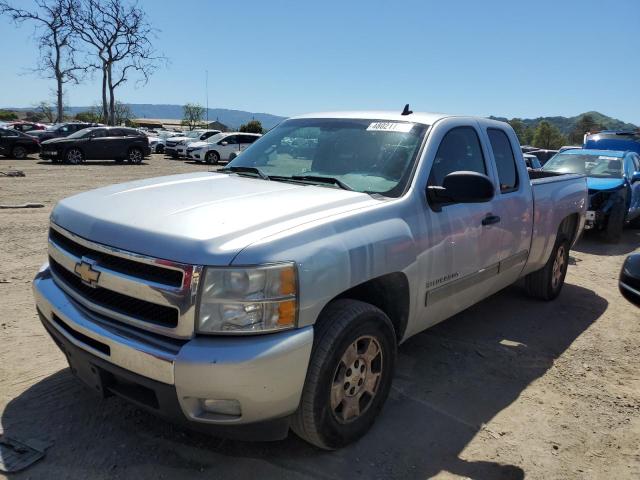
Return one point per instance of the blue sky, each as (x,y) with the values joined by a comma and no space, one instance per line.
(510,58)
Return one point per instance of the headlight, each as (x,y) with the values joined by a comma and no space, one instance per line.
(248,300)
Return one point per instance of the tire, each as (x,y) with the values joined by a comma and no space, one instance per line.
(74,156)
(135,156)
(615,224)
(346,333)
(546,283)
(212,157)
(160,148)
(19,152)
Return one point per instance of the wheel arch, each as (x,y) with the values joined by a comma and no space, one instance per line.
(390,293)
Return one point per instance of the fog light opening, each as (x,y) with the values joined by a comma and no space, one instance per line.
(230,408)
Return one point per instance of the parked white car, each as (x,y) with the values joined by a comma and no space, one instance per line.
(177,146)
(221,147)
(158,141)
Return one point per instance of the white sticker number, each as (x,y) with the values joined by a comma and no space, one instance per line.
(401,127)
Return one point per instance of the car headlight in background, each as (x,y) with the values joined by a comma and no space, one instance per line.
(248,299)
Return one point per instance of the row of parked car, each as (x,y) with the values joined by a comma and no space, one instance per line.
(209,146)
(611,162)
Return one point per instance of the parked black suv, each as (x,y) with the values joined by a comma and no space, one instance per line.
(17,144)
(98,143)
(61,130)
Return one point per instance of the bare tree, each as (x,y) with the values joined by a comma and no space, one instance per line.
(123,113)
(192,115)
(47,111)
(56,43)
(118,34)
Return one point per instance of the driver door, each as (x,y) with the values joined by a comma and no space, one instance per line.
(459,262)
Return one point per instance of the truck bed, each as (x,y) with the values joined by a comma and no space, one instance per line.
(556,196)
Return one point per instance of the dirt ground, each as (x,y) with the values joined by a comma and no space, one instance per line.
(511,388)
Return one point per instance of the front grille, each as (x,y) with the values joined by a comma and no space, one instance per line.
(119,264)
(117,302)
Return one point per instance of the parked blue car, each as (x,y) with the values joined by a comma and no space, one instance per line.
(613,179)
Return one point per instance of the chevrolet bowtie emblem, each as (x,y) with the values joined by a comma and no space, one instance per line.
(86,272)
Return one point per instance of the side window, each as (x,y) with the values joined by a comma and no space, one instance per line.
(231,139)
(460,149)
(248,139)
(636,163)
(115,132)
(130,132)
(101,132)
(505,160)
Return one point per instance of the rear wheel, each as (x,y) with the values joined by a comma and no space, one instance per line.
(212,157)
(349,375)
(547,282)
(19,152)
(135,156)
(615,224)
(74,156)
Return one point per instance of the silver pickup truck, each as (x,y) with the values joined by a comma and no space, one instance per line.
(273,294)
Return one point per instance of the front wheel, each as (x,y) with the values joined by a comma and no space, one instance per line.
(212,157)
(74,156)
(135,156)
(547,282)
(349,375)
(19,152)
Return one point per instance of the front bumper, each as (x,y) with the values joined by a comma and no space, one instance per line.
(49,154)
(264,373)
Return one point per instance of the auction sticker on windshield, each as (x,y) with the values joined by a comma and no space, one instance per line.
(401,127)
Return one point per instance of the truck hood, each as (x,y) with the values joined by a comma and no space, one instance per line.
(198,144)
(57,140)
(604,183)
(200,218)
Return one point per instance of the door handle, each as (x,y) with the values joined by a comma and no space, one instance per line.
(490,219)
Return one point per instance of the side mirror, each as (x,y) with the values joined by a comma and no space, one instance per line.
(223,143)
(462,187)
(635,177)
(629,282)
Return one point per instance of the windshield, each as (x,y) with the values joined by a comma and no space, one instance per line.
(372,156)
(193,134)
(592,165)
(215,138)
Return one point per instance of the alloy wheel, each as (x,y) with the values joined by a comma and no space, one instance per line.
(356,379)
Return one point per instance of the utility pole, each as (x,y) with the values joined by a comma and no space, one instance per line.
(206,88)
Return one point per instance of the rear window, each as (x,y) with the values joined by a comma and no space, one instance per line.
(505,160)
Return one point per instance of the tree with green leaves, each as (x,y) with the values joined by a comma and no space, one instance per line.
(548,136)
(253,126)
(192,115)
(524,133)
(8,115)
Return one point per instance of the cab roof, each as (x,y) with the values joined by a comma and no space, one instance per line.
(416,117)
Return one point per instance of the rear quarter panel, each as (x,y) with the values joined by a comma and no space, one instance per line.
(554,199)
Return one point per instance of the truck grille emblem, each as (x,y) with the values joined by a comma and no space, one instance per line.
(86,272)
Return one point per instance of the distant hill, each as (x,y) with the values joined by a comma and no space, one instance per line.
(567,124)
(232,118)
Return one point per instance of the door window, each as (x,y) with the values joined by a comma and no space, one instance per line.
(101,132)
(231,139)
(505,160)
(247,138)
(116,132)
(460,149)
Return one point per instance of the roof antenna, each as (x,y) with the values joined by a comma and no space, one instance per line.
(406,110)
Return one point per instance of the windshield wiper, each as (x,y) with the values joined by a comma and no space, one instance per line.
(255,170)
(320,179)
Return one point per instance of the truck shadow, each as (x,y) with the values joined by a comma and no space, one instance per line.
(100,163)
(450,381)
(594,244)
